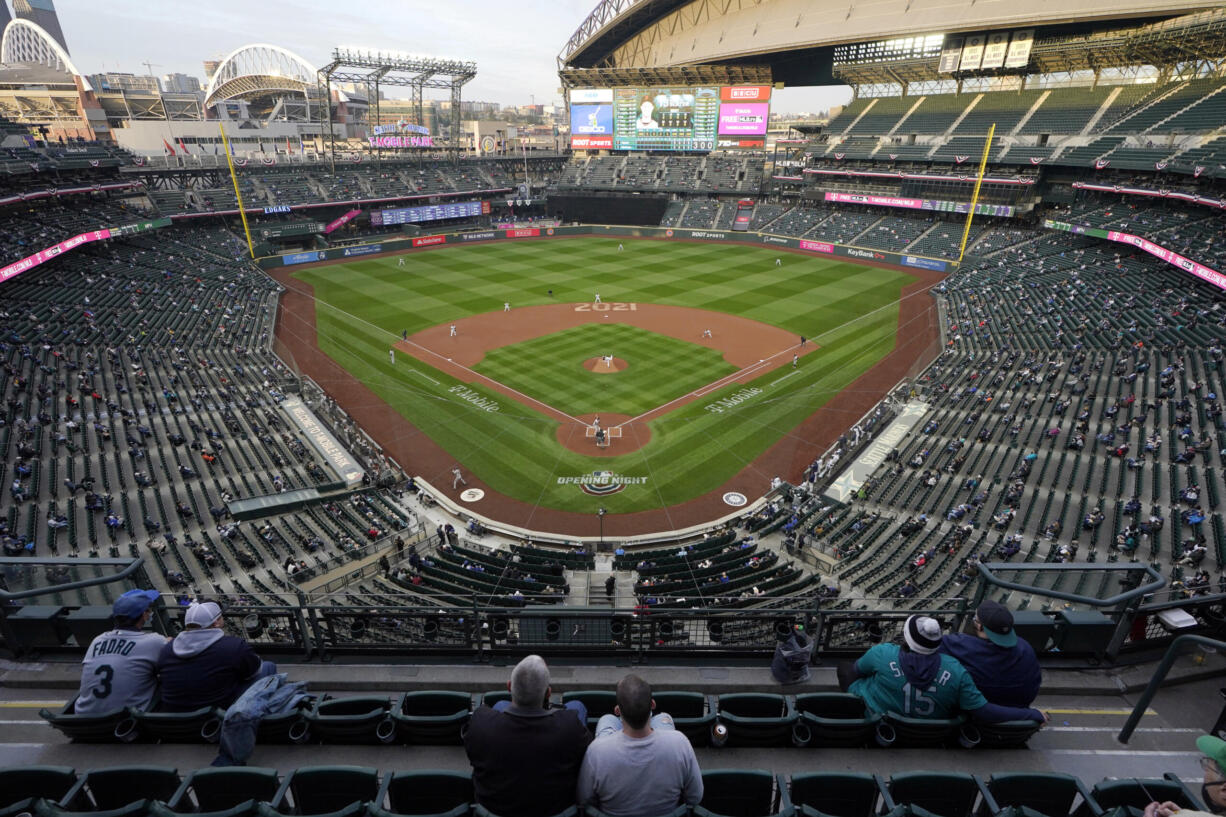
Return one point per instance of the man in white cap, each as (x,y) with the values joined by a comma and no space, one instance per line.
(120,666)
(1003,666)
(915,680)
(203,666)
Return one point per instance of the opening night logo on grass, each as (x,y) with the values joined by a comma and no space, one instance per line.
(602,483)
(732,400)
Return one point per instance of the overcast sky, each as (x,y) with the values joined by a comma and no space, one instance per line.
(514,42)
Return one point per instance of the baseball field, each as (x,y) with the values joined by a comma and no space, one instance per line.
(692,359)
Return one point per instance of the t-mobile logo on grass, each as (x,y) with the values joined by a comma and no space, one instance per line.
(483,403)
(732,400)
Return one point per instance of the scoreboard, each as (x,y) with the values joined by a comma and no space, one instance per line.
(687,118)
(435,212)
(665,118)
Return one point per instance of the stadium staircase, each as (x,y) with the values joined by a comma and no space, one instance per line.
(866,231)
(856,121)
(1145,105)
(1021,123)
(905,116)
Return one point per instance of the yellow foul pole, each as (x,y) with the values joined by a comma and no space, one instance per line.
(970,214)
(238,195)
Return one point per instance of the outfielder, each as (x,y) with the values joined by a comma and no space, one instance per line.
(401,264)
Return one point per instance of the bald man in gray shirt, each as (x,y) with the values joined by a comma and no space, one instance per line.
(639,765)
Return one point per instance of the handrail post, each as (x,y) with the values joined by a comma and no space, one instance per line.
(1164,666)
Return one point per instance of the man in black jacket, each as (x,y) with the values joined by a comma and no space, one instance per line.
(526,754)
(203,666)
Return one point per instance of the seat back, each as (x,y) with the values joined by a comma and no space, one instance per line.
(757,719)
(1050,793)
(428,792)
(690,712)
(598,702)
(837,794)
(120,785)
(738,792)
(904,731)
(1136,794)
(433,717)
(19,783)
(833,719)
(181,727)
(325,789)
(947,794)
(217,789)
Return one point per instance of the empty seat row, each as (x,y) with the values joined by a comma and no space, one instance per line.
(349,791)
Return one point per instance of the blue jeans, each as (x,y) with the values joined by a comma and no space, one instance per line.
(578,707)
(608,724)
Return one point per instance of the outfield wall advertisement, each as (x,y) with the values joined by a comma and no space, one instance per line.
(825,248)
(1207,274)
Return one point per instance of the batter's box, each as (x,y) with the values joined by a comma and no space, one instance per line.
(613,433)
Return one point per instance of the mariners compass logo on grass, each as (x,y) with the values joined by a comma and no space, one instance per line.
(602,483)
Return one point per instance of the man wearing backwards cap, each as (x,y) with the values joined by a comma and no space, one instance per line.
(914,679)
(120,666)
(205,667)
(1212,792)
(1003,666)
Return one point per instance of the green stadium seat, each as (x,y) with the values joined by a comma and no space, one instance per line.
(899,730)
(757,718)
(359,719)
(120,791)
(180,727)
(433,717)
(836,794)
(598,702)
(1004,735)
(742,793)
(833,719)
(335,791)
(1048,793)
(21,785)
(104,728)
(692,712)
(1129,796)
(231,791)
(947,794)
(424,794)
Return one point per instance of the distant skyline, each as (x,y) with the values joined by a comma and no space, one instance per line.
(515,45)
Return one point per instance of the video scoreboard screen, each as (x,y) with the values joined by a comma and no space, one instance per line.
(676,118)
(435,212)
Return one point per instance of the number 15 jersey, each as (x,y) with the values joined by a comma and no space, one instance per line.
(886,688)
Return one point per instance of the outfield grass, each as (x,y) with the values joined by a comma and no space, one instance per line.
(363,306)
(550,369)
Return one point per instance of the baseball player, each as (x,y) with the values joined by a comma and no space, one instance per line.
(795,360)
(120,666)
(391,355)
(401,264)
(619,247)
(506,306)
(597,297)
(453,333)
(778,262)
(706,333)
(457,478)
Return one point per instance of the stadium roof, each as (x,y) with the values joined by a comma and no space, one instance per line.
(620,33)
(27,44)
(259,70)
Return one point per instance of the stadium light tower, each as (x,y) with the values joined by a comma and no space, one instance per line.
(372,69)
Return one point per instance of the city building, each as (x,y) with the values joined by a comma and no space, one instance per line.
(180,84)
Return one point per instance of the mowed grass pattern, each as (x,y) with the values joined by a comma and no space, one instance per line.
(551,370)
(362,307)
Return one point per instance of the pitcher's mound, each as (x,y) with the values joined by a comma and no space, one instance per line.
(596,365)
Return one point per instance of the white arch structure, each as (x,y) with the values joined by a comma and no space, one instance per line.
(259,69)
(29,42)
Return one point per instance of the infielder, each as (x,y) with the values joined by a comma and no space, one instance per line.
(706,333)
(506,306)
(795,360)
(597,297)
(453,333)
(120,666)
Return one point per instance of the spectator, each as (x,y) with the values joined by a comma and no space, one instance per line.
(639,764)
(1212,791)
(1003,667)
(526,754)
(120,666)
(915,680)
(203,666)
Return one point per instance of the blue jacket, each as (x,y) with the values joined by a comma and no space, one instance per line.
(1008,676)
(274,695)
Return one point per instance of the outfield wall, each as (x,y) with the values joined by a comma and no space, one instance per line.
(405,244)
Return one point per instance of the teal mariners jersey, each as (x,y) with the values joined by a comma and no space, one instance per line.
(886,688)
(119,669)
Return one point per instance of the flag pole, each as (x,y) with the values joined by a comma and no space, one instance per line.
(238,195)
(970,214)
